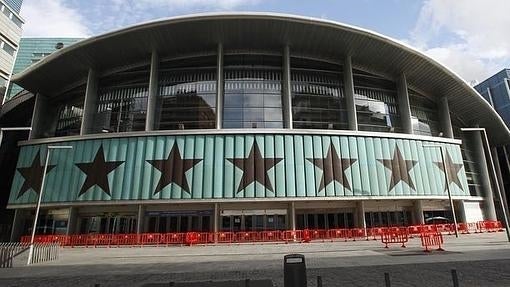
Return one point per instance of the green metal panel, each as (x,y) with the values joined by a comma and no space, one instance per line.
(280,175)
(203,167)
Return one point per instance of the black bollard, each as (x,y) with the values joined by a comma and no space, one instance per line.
(294,270)
(455,278)
(319,281)
(387,279)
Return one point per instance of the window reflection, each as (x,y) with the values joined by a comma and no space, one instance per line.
(187,94)
(122,101)
(376,103)
(424,115)
(318,101)
(70,114)
(253,92)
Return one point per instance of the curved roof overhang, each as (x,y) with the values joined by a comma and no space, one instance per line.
(194,34)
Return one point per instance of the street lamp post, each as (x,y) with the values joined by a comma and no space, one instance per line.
(493,168)
(38,207)
(447,186)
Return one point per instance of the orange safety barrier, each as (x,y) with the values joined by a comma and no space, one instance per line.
(414,230)
(375,232)
(395,236)
(205,237)
(124,239)
(292,235)
(387,235)
(246,236)
(225,237)
(100,239)
(191,238)
(430,239)
(358,233)
(173,238)
(271,236)
(78,240)
(150,239)
(335,234)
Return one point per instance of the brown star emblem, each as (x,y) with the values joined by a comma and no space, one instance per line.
(452,169)
(255,168)
(97,172)
(33,175)
(173,170)
(333,168)
(399,168)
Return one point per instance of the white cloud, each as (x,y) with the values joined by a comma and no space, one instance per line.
(129,12)
(52,18)
(469,36)
(184,4)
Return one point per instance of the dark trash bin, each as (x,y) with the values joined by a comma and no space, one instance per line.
(294,270)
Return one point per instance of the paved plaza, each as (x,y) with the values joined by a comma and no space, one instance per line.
(480,259)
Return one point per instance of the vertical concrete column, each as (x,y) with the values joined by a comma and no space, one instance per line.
(152,98)
(292,215)
(403,105)
(287,89)
(72,220)
(349,94)
(360,214)
(460,211)
(216,218)
(418,212)
(17,224)
(40,109)
(219,87)
(444,118)
(140,219)
(480,157)
(489,95)
(499,176)
(90,105)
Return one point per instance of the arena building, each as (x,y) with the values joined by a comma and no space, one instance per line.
(250,121)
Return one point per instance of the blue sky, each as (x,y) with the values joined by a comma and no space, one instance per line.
(468,36)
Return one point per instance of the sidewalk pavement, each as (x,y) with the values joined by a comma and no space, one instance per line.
(479,258)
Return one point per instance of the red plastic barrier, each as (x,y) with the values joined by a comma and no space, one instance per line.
(79,240)
(375,232)
(292,235)
(395,236)
(335,234)
(191,238)
(100,239)
(205,237)
(431,239)
(414,230)
(173,238)
(225,237)
(359,233)
(151,238)
(269,236)
(125,239)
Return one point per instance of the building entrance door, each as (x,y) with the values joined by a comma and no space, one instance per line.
(253,220)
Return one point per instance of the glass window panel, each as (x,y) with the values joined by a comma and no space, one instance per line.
(376,103)
(187,94)
(317,95)
(252,83)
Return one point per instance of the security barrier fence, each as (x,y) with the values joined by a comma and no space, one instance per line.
(282,236)
(43,251)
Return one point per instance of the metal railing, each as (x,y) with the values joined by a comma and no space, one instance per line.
(13,252)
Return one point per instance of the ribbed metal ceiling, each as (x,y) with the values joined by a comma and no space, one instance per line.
(261,31)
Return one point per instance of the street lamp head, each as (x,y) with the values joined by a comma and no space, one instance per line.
(60,147)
